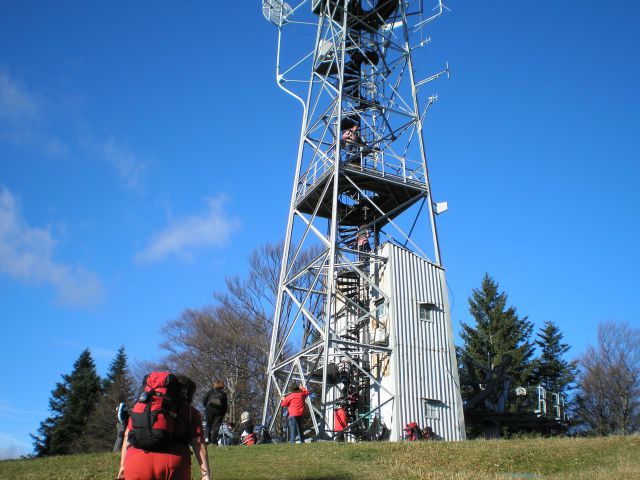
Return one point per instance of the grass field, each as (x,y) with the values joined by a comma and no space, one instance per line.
(556,458)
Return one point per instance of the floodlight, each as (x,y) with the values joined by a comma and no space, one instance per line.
(441,207)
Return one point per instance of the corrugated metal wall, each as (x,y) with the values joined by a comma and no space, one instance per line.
(423,359)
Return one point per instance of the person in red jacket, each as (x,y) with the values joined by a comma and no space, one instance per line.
(294,402)
(340,423)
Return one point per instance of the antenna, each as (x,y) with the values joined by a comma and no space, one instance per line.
(276,11)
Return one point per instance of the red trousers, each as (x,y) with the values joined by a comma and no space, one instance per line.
(141,465)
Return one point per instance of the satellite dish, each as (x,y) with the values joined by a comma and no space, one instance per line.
(276,11)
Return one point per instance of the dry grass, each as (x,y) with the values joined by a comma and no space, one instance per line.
(557,458)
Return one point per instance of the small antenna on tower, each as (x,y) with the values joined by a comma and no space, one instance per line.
(435,76)
(276,11)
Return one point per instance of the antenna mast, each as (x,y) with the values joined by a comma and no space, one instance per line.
(362,317)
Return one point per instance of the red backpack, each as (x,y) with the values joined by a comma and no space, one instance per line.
(250,439)
(413,432)
(155,414)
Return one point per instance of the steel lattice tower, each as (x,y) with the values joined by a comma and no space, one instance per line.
(360,197)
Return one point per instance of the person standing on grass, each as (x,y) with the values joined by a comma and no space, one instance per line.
(340,422)
(122,414)
(294,402)
(215,408)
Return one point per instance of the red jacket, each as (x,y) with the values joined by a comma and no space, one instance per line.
(340,421)
(295,402)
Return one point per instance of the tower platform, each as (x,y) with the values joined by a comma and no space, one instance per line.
(393,194)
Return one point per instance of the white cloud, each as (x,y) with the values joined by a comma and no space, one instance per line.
(182,236)
(130,167)
(26,119)
(20,114)
(16,104)
(26,254)
(11,448)
(15,420)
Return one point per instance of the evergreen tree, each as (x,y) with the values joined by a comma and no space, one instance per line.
(551,370)
(100,433)
(42,441)
(71,404)
(118,385)
(498,331)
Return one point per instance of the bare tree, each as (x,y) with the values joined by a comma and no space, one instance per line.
(230,341)
(255,296)
(140,368)
(609,381)
(215,343)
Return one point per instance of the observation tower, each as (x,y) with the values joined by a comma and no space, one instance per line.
(362,315)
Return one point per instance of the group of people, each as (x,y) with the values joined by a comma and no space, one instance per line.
(215,406)
(157,436)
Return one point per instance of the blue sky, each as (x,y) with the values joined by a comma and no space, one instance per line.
(145,150)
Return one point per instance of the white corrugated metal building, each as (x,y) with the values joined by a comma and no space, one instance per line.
(421,371)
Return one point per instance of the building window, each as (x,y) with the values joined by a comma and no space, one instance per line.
(380,309)
(432,409)
(425,311)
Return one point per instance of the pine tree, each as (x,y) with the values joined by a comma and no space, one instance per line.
(498,331)
(100,434)
(551,370)
(118,384)
(71,404)
(42,442)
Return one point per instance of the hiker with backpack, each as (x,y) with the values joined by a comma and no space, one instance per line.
(161,427)
(122,416)
(215,408)
(294,402)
